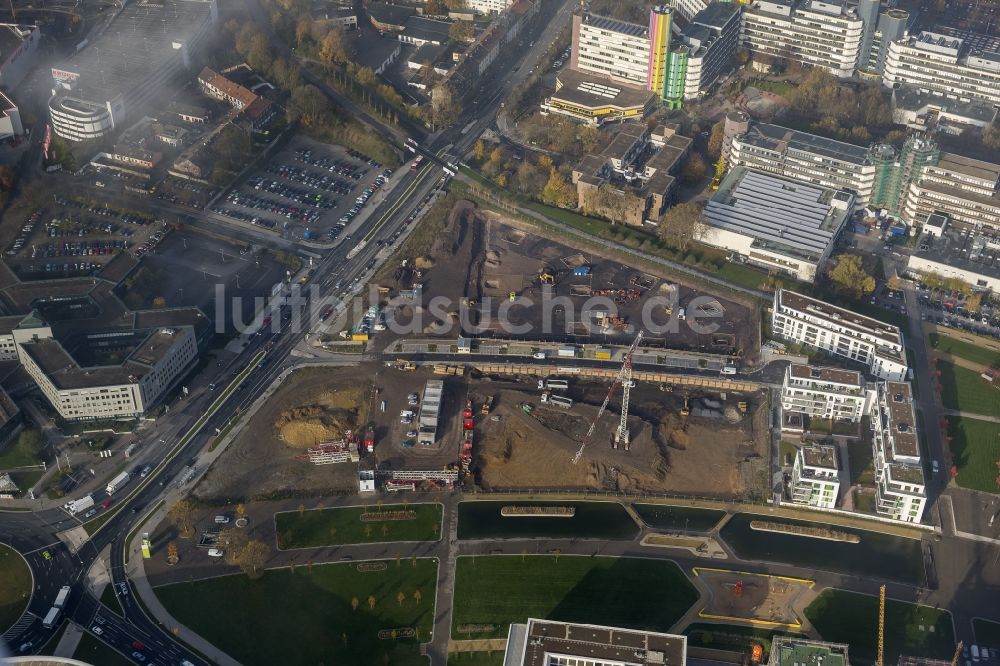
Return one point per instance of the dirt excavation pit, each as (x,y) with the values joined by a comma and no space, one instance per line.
(311,406)
(526,444)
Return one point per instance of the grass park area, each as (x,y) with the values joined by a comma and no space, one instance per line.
(733,637)
(964,350)
(15,586)
(93,651)
(987,633)
(494,658)
(846,617)
(493,591)
(110,599)
(311,613)
(663,517)
(975,450)
(341,526)
(965,390)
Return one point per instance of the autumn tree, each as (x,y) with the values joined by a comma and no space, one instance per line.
(445,106)
(693,170)
(682,224)
(715,139)
(461,31)
(480,150)
(371,602)
(435,8)
(400,597)
(308,105)
(181,515)
(849,276)
(253,557)
(417,596)
(332,49)
(991,137)
(172,556)
(354,603)
(558,191)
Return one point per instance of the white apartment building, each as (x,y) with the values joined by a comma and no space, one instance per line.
(824,393)
(825,34)
(964,67)
(900,489)
(816,477)
(606,46)
(107,391)
(488,6)
(805,320)
(687,8)
(964,189)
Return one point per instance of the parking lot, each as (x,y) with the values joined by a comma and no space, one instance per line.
(184,192)
(74,237)
(308,190)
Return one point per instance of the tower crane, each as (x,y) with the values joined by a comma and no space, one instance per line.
(624,377)
(880,655)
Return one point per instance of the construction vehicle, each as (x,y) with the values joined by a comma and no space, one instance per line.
(742,406)
(406,366)
(370,439)
(487,405)
(545,277)
(686,410)
(526,408)
(512,296)
(624,377)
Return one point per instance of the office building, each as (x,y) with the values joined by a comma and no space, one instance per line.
(973,258)
(815,476)
(912,183)
(638,164)
(688,8)
(113,390)
(800,155)
(880,29)
(777,223)
(817,33)
(808,321)
(551,643)
(787,651)
(19,45)
(597,100)
(900,491)
(673,67)
(949,63)
(249,106)
(146,47)
(926,112)
(824,393)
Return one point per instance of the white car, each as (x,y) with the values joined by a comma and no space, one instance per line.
(935,467)
(97,630)
(216,552)
(538,355)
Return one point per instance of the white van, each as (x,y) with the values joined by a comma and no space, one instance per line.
(215,552)
(729,370)
(975,652)
(222,520)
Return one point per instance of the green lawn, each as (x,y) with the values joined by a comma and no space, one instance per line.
(975,450)
(743,275)
(734,637)
(987,633)
(961,349)
(622,592)
(335,527)
(845,617)
(15,586)
(110,599)
(308,613)
(94,651)
(965,390)
(21,452)
(494,658)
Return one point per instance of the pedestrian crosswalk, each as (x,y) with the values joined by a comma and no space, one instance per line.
(19,626)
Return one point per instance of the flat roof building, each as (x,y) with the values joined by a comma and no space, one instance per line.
(420,30)
(949,63)
(816,476)
(19,46)
(825,33)
(900,487)
(774,222)
(149,44)
(805,320)
(596,99)
(430,412)
(973,258)
(824,393)
(552,643)
(786,651)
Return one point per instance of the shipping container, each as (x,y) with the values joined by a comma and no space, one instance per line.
(602,353)
(567,352)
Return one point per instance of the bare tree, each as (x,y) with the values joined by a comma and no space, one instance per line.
(682,224)
(445,106)
(181,515)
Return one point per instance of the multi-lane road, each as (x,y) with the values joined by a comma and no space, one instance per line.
(342,270)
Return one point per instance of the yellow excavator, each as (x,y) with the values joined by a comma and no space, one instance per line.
(686,410)
(546,278)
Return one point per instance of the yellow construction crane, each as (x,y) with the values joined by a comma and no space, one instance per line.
(958,651)
(880,656)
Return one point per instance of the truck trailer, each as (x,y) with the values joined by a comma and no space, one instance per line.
(118,483)
(62,597)
(82,504)
(51,618)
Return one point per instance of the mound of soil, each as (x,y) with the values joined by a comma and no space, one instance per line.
(328,417)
